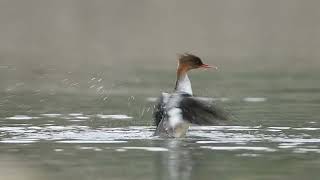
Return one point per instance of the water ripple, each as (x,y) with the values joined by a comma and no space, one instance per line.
(228,138)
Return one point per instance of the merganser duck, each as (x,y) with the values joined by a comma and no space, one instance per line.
(176,111)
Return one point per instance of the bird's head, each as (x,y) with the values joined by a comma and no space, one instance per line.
(190,61)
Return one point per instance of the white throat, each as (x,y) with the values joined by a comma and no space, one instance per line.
(184,85)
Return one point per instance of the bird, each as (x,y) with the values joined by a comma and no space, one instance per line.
(176,111)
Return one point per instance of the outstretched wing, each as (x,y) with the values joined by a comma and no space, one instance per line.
(202,113)
(159,112)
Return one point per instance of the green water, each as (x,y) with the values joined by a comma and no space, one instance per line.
(97,124)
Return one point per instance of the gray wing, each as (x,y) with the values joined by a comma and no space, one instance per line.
(159,112)
(200,112)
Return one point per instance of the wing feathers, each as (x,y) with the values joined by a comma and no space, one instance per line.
(194,110)
(200,112)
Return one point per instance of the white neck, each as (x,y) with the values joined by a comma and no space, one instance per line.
(183,84)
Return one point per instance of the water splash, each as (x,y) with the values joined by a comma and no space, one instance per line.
(222,138)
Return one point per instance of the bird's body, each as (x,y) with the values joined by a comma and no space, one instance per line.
(175,112)
(169,120)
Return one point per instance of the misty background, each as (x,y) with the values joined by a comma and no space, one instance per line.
(58,44)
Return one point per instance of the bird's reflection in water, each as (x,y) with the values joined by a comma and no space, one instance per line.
(175,164)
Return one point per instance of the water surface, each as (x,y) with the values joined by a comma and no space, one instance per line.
(91,126)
